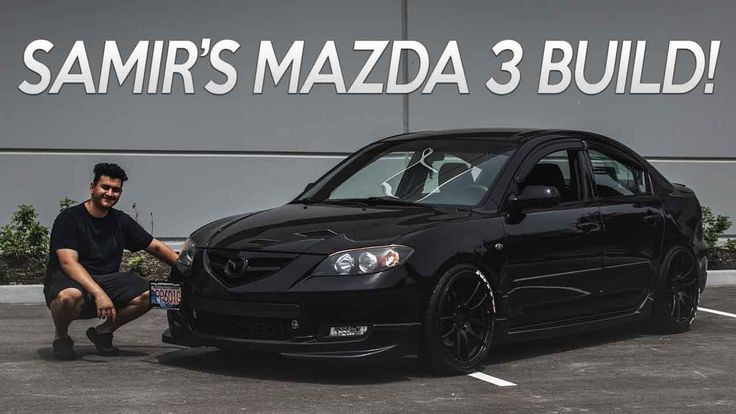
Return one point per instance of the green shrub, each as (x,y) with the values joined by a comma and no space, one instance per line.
(24,247)
(145,265)
(714,226)
(730,245)
(24,238)
(66,203)
(136,263)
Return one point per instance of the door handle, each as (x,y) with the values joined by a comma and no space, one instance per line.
(651,218)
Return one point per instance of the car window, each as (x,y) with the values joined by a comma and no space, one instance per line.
(364,182)
(614,177)
(559,170)
(451,164)
(442,172)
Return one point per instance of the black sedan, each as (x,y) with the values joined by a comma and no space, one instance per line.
(441,244)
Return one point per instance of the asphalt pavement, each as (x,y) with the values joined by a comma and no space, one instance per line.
(624,369)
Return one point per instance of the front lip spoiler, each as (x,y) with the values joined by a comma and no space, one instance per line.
(399,339)
(362,354)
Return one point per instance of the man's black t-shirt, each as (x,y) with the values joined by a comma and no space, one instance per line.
(99,242)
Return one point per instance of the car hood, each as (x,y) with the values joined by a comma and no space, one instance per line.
(320,229)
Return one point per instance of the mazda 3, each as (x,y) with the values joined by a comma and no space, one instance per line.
(442,244)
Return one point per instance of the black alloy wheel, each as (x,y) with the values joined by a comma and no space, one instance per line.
(677,298)
(460,320)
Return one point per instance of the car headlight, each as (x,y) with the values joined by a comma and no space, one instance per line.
(186,257)
(363,261)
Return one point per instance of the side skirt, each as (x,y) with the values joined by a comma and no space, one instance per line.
(572,326)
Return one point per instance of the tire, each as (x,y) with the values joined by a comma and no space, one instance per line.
(677,294)
(459,321)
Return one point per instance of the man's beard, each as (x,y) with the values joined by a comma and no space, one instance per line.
(97,201)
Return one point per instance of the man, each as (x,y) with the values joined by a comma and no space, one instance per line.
(83,279)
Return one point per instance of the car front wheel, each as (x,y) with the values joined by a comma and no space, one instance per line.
(459,321)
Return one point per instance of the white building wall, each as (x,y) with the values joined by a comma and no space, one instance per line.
(246,152)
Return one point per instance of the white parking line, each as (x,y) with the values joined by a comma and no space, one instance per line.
(493,380)
(717,312)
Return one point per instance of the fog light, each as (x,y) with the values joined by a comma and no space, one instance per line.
(352,330)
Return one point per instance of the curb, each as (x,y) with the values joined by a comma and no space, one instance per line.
(34,293)
(721,278)
(22,294)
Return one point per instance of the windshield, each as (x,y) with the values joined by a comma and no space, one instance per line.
(434,172)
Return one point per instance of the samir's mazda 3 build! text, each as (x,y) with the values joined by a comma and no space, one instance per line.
(440,244)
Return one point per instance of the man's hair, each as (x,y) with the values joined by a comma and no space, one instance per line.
(109,169)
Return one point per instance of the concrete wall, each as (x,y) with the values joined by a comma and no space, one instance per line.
(251,152)
(690,138)
(47,139)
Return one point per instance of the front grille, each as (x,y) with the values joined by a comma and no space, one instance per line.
(234,267)
(243,327)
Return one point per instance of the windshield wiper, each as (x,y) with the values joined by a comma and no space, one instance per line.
(340,201)
(347,201)
(393,202)
(307,200)
(366,202)
(374,201)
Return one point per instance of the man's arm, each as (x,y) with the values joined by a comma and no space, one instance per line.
(69,261)
(162,252)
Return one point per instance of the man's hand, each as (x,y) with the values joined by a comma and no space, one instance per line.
(105,307)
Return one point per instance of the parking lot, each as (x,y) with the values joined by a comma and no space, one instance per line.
(624,369)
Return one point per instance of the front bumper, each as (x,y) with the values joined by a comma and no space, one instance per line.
(291,314)
(384,340)
(381,340)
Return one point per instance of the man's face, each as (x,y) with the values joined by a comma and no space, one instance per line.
(106,192)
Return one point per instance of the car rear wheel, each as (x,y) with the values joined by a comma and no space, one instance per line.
(678,293)
(459,321)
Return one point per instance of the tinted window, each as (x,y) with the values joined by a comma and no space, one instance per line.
(614,177)
(363,182)
(559,170)
(433,171)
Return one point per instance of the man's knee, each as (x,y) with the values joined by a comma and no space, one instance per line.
(69,299)
(141,300)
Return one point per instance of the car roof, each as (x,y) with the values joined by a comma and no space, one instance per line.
(518,135)
(491,133)
(511,135)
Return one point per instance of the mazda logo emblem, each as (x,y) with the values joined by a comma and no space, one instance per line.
(236,267)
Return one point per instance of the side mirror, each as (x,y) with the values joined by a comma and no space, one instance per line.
(535,196)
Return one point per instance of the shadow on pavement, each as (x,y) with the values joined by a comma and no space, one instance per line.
(525,350)
(275,367)
(47,353)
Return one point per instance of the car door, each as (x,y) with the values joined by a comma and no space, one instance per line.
(554,254)
(633,226)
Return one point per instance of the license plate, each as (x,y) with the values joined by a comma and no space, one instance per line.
(165,295)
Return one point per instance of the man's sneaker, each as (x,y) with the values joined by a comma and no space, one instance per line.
(103,342)
(64,349)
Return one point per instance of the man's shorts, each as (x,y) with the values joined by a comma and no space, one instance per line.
(120,287)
